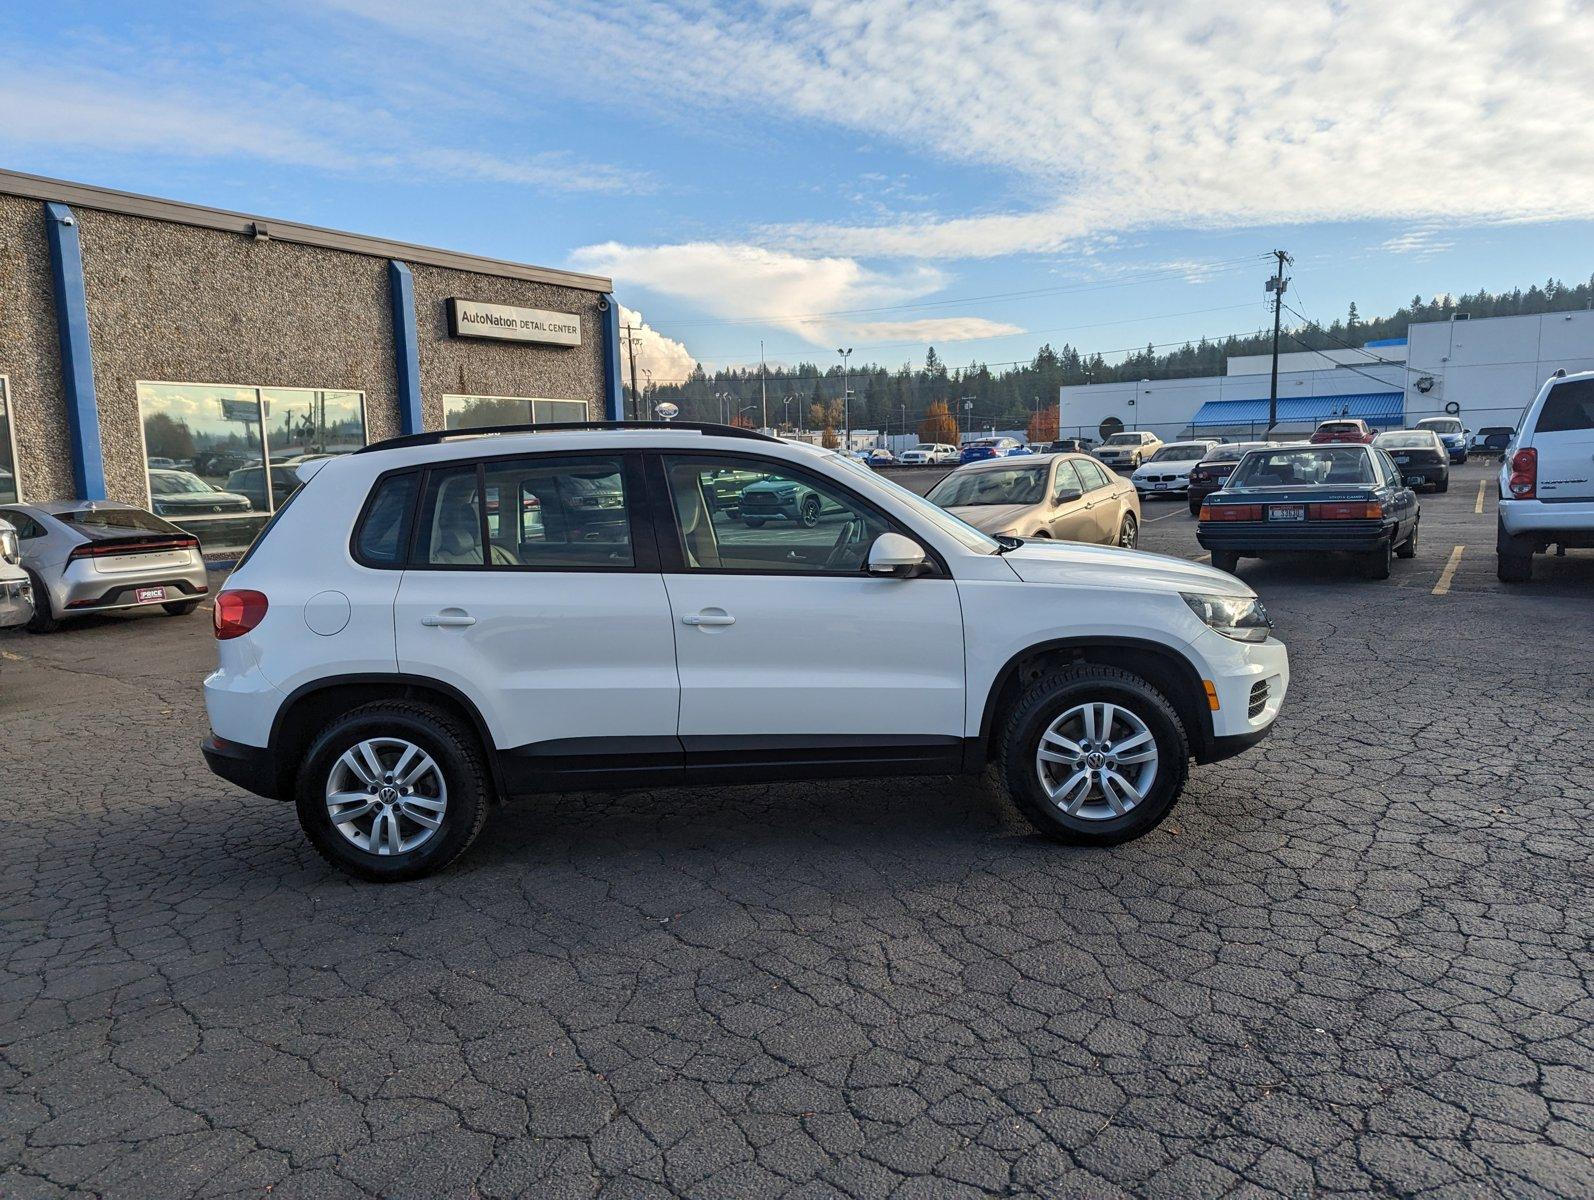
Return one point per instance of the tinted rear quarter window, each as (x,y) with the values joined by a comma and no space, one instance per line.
(383,537)
(1569,407)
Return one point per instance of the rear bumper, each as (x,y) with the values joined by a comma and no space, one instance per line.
(80,588)
(1548,522)
(1254,541)
(252,768)
(1428,472)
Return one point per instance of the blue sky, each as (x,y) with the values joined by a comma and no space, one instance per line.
(983,175)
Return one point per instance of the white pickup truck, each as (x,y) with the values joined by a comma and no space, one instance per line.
(1547,477)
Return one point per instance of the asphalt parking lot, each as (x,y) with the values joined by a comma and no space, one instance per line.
(1356,961)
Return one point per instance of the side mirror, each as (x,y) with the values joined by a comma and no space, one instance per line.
(897,556)
(1067,496)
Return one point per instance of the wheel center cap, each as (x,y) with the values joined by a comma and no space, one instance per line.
(387,795)
(1095,760)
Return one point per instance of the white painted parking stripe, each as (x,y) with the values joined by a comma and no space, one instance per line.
(1478,507)
(1442,588)
(1165,516)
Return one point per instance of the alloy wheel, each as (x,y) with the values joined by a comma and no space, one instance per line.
(1097,761)
(386,795)
(1129,533)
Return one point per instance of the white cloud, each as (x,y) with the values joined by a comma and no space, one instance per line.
(819,299)
(1131,113)
(1420,243)
(659,359)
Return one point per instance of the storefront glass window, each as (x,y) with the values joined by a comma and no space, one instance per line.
(481,412)
(220,459)
(10,489)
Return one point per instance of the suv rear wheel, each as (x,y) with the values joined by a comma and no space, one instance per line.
(1093,755)
(393,790)
(1513,556)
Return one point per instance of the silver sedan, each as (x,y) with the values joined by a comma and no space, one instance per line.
(100,556)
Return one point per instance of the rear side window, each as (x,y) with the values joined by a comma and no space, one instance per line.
(383,537)
(1569,407)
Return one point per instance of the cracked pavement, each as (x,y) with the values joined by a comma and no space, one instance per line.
(1356,961)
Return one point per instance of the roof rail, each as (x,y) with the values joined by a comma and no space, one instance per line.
(438,436)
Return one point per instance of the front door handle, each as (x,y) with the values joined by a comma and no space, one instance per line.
(449,618)
(709,618)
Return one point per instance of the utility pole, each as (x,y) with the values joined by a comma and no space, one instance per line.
(763,383)
(630,337)
(846,397)
(1276,285)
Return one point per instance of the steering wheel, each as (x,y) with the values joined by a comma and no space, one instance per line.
(851,534)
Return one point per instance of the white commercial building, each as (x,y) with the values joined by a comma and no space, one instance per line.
(1484,371)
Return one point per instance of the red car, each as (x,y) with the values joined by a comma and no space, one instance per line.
(1349,429)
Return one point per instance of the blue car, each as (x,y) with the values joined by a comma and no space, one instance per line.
(1312,498)
(1451,432)
(991,447)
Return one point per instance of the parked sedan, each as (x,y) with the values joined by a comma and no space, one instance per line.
(876,456)
(1210,474)
(1066,496)
(250,482)
(1312,498)
(1128,450)
(1423,459)
(95,556)
(991,447)
(16,591)
(1167,472)
(1452,433)
(184,494)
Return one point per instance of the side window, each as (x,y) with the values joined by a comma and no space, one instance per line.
(1568,408)
(25,526)
(451,524)
(1391,472)
(1067,478)
(1091,475)
(383,538)
(566,513)
(745,515)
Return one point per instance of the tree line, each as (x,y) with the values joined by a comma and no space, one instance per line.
(898,399)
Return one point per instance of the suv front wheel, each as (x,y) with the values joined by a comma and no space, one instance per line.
(1094,755)
(392,791)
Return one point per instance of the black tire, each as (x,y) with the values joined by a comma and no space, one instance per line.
(1378,564)
(1443,485)
(1195,508)
(44,619)
(1514,556)
(458,755)
(1226,560)
(180,608)
(1408,548)
(1048,698)
(808,512)
(1129,532)
(753,522)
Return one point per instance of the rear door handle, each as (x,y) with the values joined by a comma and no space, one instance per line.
(709,618)
(449,618)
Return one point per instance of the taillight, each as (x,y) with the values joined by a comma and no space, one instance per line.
(1358,510)
(1231,512)
(149,546)
(237,612)
(1524,483)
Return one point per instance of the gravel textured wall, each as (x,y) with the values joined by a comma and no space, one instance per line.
(30,355)
(487,368)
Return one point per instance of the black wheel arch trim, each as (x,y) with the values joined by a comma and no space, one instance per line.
(1194,701)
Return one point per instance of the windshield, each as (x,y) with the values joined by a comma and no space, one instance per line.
(1405,440)
(1123,439)
(939,517)
(1303,467)
(1441,425)
(1012,485)
(172,483)
(1191,452)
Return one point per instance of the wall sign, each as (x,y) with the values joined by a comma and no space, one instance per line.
(507,323)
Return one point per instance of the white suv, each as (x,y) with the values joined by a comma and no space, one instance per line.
(441,621)
(1547,477)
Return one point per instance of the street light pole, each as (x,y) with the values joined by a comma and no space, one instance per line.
(846,397)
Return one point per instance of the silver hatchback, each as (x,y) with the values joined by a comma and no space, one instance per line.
(100,556)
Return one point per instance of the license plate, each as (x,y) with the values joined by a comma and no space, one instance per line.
(1286,512)
(149,595)
(1415,481)
(1157,487)
(1402,458)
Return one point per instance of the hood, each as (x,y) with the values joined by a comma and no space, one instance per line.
(1180,466)
(991,518)
(1085,565)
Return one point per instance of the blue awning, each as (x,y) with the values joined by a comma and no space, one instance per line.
(1376,408)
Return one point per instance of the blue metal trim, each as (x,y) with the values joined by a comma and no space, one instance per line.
(406,347)
(77,358)
(613,388)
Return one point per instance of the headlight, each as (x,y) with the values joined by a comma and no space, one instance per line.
(1239,617)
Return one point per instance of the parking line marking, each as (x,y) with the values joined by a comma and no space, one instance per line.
(1164,517)
(1478,507)
(1201,558)
(1442,588)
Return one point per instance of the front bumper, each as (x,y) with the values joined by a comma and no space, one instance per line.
(16,602)
(1251,680)
(1176,487)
